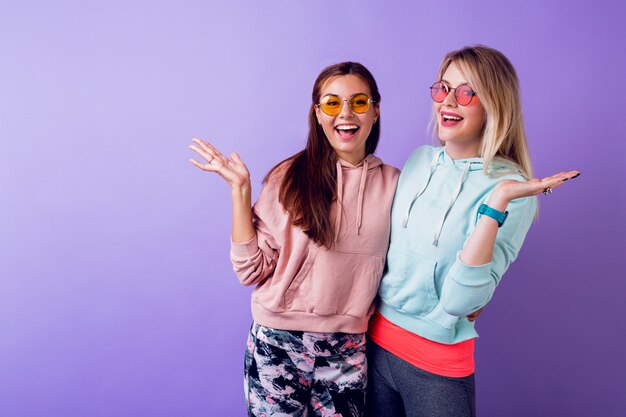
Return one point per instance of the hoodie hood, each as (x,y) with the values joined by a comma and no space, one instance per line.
(344,168)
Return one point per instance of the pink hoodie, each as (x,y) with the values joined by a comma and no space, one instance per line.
(307,287)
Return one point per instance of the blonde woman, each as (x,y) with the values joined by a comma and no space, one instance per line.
(459,218)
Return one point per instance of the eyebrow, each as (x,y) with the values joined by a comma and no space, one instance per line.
(337,95)
(448,82)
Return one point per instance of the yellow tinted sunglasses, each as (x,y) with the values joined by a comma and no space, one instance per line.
(332,104)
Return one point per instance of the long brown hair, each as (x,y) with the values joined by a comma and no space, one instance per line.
(309,178)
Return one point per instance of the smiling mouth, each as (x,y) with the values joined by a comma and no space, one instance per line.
(346,131)
(448,120)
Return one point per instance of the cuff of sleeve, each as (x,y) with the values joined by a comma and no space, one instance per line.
(244,250)
(469,275)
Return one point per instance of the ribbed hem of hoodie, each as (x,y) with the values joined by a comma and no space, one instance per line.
(420,325)
(470,275)
(244,250)
(309,322)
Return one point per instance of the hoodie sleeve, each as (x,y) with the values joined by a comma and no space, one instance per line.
(255,260)
(467,288)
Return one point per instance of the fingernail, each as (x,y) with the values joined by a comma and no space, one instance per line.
(576,176)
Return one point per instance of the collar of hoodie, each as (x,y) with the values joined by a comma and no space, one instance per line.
(369,162)
(441,158)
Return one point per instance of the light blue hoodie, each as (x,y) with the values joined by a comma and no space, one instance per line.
(426,289)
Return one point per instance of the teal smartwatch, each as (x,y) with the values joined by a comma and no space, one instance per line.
(498,216)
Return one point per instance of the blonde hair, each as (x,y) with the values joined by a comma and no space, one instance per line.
(496,82)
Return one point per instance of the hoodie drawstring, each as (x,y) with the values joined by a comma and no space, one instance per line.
(339,199)
(359,207)
(455,195)
(359,210)
(433,165)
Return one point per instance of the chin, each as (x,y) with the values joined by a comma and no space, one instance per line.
(454,139)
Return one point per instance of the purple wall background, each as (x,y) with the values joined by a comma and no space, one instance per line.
(117,297)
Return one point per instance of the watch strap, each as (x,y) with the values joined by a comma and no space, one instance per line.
(497,215)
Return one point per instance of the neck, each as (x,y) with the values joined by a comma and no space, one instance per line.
(463,150)
(353,159)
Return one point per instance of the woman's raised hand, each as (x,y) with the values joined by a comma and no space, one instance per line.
(232,169)
(511,189)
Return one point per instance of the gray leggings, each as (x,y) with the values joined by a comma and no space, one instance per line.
(398,389)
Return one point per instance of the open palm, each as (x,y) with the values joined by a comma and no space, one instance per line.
(512,189)
(232,169)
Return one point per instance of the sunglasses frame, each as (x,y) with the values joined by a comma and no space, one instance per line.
(448,89)
(369,103)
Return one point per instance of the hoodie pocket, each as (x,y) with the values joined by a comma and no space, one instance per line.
(298,284)
(409,283)
(336,283)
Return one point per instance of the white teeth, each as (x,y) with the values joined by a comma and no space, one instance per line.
(346,127)
(446,117)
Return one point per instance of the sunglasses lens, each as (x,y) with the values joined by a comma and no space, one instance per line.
(464,95)
(360,103)
(331,105)
(438,92)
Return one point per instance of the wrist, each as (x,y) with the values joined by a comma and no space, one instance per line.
(497,200)
(494,213)
(242,190)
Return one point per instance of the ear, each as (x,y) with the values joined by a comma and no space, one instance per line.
(318,115)
(376,113)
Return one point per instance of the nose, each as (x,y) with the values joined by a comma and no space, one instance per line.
(450,99)
(346,109)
